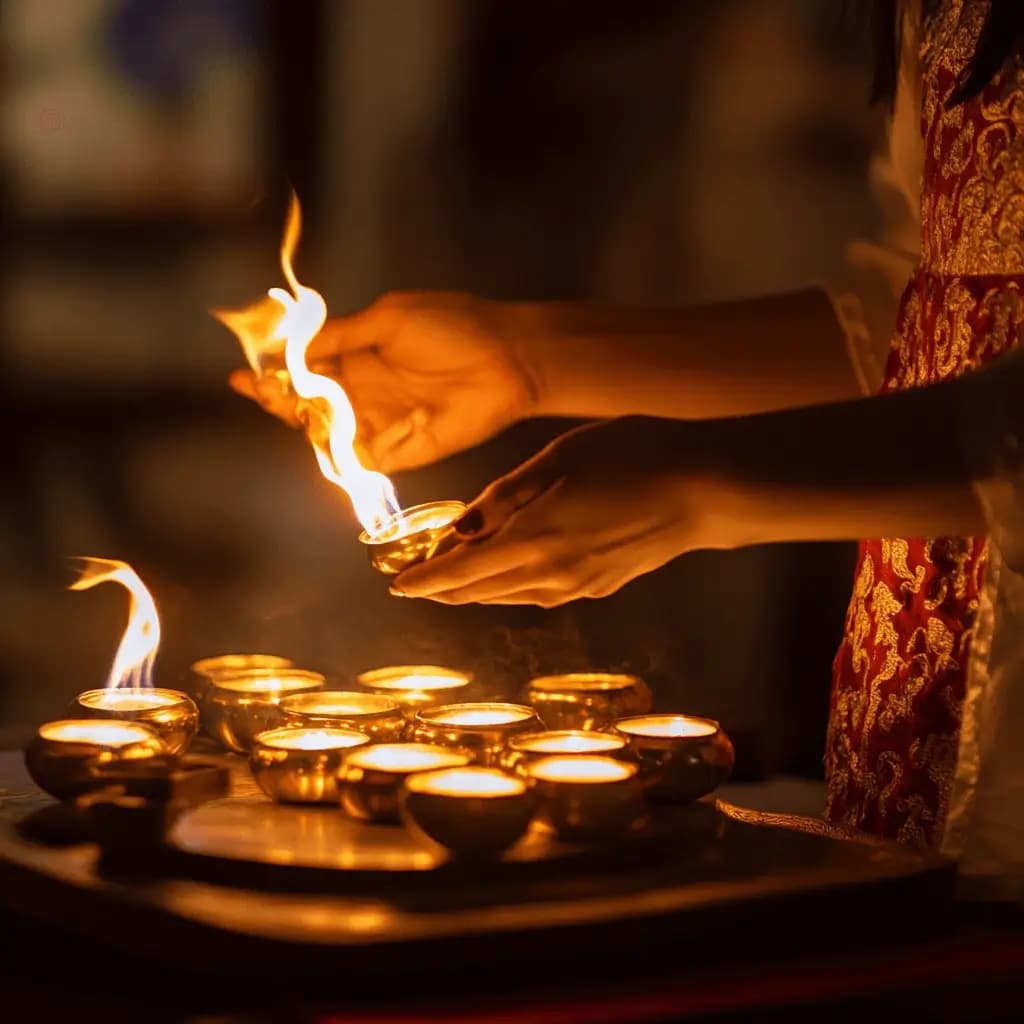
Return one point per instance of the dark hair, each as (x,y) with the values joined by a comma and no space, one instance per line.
(1002,37)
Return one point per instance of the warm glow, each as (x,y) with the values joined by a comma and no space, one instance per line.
(406,757)
(668,726)
(128,700)
(574,742)
(479,715)
(312,739)
(133,663)
(107,734)
(268,681)
(420,518)
(340,702)
(583,682)
(413,677)
(234,662)
(291,319)
(468,782)
(581,769)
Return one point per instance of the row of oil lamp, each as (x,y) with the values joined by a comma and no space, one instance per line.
(582,757)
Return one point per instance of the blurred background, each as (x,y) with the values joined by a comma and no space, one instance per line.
(654,152)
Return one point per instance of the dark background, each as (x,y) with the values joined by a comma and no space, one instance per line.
(645,153)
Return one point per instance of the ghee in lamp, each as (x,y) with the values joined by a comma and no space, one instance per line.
(586,797)
(380,717)
(524,750)
(172,714)
(484,729)
(681,757)
(239,706)
(225,664)
(472,811)
(299,765)
(413,535)
(415,687)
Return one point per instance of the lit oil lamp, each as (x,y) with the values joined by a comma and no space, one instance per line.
(285,322)
(415,687)
(67,758)
(225,664)
(525,750)
(682,757)
(587,700)
(239,706)
(129,692)
(587,797)
(372,713)
(296,765)
(372,777)
(473,811)
(484,729)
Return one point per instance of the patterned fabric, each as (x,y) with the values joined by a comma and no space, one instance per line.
(900,674)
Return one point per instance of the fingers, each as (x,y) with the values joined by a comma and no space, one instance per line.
(463,566)
(343,334)
(268,393)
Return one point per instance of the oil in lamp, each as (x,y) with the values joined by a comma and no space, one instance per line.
(285,322)
(473,811)
(129,694)
(587,700)
(224,664)
(588,797)
(415,687)
(524,750)
(377,716)
(682,757)
(371,778)
(301,765)
(484,729)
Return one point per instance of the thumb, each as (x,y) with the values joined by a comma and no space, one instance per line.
(343,334)
(499,501)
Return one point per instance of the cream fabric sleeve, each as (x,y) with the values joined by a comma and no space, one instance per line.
(866,295)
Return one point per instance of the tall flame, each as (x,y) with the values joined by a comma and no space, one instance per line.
(292,319)
(133,663)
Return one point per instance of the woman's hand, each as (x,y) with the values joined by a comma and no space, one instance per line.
(428,374)
(598,507)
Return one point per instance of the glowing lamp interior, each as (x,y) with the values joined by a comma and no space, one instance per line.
(340,702)
(574,742)
(312,739)
(418,519)
(582,769)
(583,682)
(107,734)
(406,757)
(238,662)
(668,726)
(470,716)
(128,700)
(413,678)
(270,682)
(467,782)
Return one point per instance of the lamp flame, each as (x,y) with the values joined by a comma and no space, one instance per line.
(290,320)
(133,663)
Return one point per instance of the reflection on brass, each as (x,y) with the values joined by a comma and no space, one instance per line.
(682,757)
(173,715)
(68,758)
(371,779)
(415,687)
(588,700)
(416,534)
(586,798)
(484,729)
(379,717)
(522,751)
(301,766)
(472,811)
(238,706)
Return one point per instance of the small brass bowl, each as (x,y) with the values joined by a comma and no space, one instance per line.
(483,729)
(588,700)
(239,706)
(682,757)
(379,717)
(415,534)
(474,812)
(585,798)
(66,759)
(226,664)
(371,778)
(415,687)
(525,750)
(301,766)
(171,714)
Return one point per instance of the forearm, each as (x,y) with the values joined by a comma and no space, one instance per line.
(878,467)
(717,360)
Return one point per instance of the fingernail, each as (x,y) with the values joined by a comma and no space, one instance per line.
(472,522)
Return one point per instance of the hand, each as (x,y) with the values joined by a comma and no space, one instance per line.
(598,507)
(428,374)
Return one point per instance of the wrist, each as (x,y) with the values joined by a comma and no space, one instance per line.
(532,347)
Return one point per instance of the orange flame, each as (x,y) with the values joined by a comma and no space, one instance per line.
(133,663)
(291,320)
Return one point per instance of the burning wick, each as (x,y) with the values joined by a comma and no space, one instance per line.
(292,318)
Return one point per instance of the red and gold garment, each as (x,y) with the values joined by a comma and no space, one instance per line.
(900,674)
